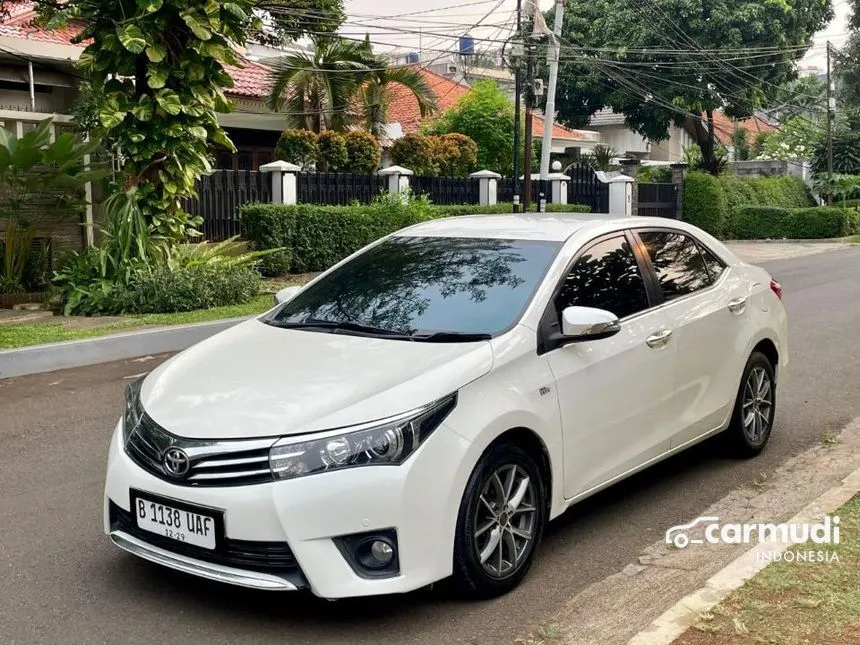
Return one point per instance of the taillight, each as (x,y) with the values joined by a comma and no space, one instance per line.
(776,287)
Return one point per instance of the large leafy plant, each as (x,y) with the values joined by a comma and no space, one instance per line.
(159,65)
(41,183)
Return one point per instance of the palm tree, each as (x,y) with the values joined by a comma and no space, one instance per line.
(316,90)
(341,83)
(376,90)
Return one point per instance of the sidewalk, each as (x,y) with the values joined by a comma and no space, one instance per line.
(759,251)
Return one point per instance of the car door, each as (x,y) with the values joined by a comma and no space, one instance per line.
(705,305)
(615,394)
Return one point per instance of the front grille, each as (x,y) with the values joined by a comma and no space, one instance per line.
(238,462)
(265,557)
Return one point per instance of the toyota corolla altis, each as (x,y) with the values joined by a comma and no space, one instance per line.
(422,409)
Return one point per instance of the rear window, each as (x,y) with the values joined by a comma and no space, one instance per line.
(680,266)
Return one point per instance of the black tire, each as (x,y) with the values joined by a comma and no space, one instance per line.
(743,439)
(472,577)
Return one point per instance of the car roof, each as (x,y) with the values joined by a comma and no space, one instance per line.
(534,226)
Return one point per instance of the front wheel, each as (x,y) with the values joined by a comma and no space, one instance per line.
(755,408)
(500,523)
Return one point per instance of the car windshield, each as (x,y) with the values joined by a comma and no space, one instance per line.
(424,288)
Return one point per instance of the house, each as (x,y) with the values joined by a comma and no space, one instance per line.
(614,132)
(724,129)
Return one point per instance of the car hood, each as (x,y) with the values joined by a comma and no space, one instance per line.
(255,380)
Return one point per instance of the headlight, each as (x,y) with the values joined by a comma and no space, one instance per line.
(385,442)
(133,409)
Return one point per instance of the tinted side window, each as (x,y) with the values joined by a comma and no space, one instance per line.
(679,266)
(606,277)
(714,264)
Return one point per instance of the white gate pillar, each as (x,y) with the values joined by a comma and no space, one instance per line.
(284,180)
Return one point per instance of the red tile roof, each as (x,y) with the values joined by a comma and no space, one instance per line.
(251,80)
(404,107)
(20,25)
(724,127)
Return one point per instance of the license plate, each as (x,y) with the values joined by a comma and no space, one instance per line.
(178,524)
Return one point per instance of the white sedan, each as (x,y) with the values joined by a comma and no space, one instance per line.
(422,409)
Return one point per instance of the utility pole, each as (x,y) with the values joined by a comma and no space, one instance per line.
(549,113)
(527,183)
(831,104)
(517,100)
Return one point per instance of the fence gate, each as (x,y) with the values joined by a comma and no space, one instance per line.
(658,200)
(219,197)
(585,188)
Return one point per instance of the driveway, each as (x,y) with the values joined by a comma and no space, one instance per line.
(63,582)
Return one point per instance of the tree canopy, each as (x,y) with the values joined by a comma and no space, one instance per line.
(665,62)
(486,115)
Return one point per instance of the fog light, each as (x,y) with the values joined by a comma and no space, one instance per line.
(372,554)
(382,552)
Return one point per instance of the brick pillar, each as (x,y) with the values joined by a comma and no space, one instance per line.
(630,168)
(679,172)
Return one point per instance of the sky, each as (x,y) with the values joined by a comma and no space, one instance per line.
(441,20)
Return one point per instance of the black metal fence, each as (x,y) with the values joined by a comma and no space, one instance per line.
(339,188)
(221,194)
(585,188)
(447,191)
(658,200)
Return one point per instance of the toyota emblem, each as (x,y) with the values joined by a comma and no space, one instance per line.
(175,462)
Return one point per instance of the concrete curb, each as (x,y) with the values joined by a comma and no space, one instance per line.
(684,614)
(79,353)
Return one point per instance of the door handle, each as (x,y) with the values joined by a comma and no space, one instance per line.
(737,305)
(659,339)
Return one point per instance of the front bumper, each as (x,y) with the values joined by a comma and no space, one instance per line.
(418,499)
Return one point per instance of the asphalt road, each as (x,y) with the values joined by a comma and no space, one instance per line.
(62,582)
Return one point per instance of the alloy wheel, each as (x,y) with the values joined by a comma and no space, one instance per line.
(505,518)
(757,414)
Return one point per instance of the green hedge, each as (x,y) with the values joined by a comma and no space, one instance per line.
(763,222)
(316,237)
(705,203)
(712,202)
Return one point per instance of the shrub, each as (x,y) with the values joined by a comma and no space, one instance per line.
(189,276)
(198,286)
(298,147)
(362,151)
(319,236)
(705,203)
(269,226)
(763,222)
(455,154)
(331,151)
(415,152)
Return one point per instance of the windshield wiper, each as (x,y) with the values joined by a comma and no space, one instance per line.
(344,325)
(450,337)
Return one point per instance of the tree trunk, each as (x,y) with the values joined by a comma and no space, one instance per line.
(706,140)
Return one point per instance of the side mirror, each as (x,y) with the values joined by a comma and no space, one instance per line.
(588,323)
(286,294)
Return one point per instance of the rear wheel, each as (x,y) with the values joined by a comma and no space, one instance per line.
(500,523)
(755,408)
